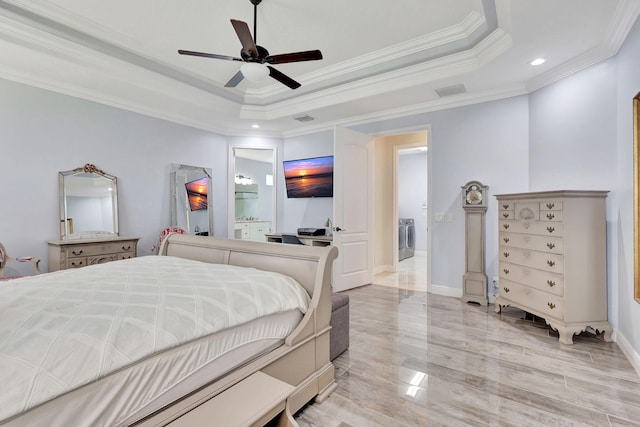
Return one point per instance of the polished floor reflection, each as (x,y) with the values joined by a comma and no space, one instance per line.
(411,275)
(418,359)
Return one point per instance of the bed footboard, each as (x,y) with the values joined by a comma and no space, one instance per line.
(303,361)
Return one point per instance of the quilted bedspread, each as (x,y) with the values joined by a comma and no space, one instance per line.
(62,330)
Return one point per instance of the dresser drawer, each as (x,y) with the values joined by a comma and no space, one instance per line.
(100,248)
(551,216)
(539,279)
(551,205)
(507,215)
(76,262)
(553,263)
(532,241)
(506,205)
(532,227)
(541,303)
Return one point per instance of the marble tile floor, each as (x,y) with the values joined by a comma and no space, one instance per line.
(417,359)
(411,275)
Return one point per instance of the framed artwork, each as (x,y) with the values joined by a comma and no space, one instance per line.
(636,197)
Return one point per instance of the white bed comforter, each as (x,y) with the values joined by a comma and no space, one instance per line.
(62,330)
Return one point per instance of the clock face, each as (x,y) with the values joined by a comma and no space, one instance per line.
(474,196)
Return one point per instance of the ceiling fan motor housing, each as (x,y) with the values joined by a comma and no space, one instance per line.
(248,57)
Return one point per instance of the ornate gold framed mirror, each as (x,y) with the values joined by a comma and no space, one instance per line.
(88,203)
(636,197)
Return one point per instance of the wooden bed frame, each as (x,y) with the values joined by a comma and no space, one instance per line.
(303,360)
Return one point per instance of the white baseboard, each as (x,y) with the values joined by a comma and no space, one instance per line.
(420,253)
(445,291)
(382,269)
(629,351)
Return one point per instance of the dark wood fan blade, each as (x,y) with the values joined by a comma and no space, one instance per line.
(244,34)
(283,78)
(209,55)
(310,55)
(235,80)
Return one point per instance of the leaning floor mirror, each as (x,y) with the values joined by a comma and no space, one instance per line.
(191,207)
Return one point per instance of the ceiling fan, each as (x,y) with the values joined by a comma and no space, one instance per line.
(255,57)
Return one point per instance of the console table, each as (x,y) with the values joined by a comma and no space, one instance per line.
(305,239)
(76,253)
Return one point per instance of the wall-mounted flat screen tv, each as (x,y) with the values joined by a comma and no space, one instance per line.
(311,177)
(197,194)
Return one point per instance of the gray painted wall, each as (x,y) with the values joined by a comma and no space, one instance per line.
(621,251)
(44,132)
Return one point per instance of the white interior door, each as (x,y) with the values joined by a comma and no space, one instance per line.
(352,209)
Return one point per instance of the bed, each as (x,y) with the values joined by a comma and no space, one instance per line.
(156,374)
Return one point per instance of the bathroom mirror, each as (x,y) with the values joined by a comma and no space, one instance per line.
(191,206)
(252,195)
(88,203)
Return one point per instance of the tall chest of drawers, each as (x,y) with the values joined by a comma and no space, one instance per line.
(77,253)
(553,258)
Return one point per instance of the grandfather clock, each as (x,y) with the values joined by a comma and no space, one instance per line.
(474,281)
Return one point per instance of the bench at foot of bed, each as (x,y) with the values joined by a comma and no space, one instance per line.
(255,401)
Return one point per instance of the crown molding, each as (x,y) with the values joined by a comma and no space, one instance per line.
(410,48)
(621,23)
(624,18)
(455,101)
(488,49)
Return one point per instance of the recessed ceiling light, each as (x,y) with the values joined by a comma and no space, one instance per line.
(538,61)
(255,126)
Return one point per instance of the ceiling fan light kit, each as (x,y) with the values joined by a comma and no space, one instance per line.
(254,72)
(255,57)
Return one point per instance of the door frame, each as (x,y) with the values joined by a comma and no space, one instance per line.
(231,185)
(396,217)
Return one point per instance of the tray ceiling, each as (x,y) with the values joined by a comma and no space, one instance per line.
(381,59)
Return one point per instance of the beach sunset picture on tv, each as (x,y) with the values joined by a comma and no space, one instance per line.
(309,177)
(197,194)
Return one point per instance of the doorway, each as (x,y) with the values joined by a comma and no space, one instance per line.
(404,258)
(252,193)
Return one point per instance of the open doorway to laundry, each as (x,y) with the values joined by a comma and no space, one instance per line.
(402,166)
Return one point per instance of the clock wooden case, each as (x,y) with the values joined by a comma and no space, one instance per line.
(474,280)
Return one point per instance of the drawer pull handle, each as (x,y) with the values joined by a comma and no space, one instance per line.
(74,264)
(550,205)
(506,254)
(77,253)
(550,216)
(506,240)
(506,226)
(551,245)
(127,248)
(506,271)
(551,229)
(551,263)
(506,289)
(506,206)
(505,215)
(551,305)
(551,283)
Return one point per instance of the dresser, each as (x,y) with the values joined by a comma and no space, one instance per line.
(553,258)
(76,253)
